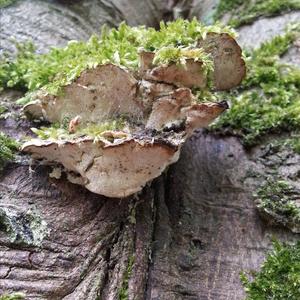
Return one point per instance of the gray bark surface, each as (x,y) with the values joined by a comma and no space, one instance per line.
(53,23)
(263,30)
(188,234)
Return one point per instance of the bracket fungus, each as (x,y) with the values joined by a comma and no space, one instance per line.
(118,127)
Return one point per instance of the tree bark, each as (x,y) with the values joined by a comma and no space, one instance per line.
(187,235)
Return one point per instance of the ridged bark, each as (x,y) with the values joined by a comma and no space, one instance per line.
(186,236)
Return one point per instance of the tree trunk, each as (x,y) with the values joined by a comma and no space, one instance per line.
(186,236)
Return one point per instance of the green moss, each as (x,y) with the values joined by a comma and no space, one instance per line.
(179,33)
(295,144)
(291,143)
(56,132)
(167,55)
(4,3)
(205,95)
(60,66)
(8,147)
(123,290)
(269,98)
(248,11)
(13,296)
(227,6)
(279,277)
(276,198)
(2,110)
(23,228)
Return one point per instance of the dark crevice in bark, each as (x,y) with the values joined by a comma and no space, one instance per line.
(30,260)
(106,278)
(7,273)
(155,184)
(143,233)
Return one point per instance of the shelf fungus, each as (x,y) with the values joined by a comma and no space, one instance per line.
(115,128)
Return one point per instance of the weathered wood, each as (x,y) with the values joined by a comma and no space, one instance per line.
(189,233)
(53,23)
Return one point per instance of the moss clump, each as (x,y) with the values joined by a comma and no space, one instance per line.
(291,143)
(269,98)
(248,11)
(294,143)
(2,110)
(227,6)
(56,132)
(167,55)
(60,66)
(279,277)
(23,228)
(123,291)
(13,296)
(276,199)
(4,3)
(8,147)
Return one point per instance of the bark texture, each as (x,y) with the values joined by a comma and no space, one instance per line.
(186,236)
(53,23)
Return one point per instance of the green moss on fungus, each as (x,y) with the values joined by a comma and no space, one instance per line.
(276,199)
(269,98)
(279,277)
(60,132)
(248,11)
(60,66)
(8,147)
(169,54)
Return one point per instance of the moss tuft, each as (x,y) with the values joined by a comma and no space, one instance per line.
(123,291)
(294,143)
(56,132)
(248,11)
(279,277)
(167,55)
(276,199)
(226,6)
(2,110)
(25,228)
(8,147)
(5,3)
(13,296)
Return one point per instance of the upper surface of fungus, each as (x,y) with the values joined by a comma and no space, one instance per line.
(117,128)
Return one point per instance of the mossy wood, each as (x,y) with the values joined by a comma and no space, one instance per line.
(153,105)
